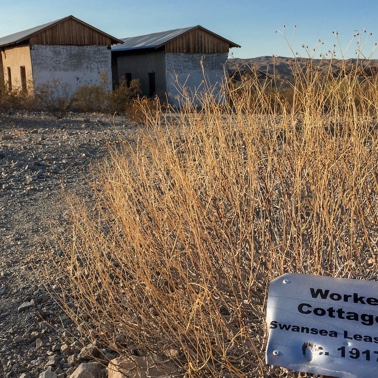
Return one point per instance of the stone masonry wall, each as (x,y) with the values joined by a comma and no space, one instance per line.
(68,67)
(193,74)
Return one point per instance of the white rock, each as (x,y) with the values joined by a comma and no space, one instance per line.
(26,305)
(48,374)
(89,370)
(141,367)
(38,344)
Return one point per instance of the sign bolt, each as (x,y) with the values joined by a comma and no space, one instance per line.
(285,281)
(276,353)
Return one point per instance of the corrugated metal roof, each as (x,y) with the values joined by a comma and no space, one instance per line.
(26,34)
(156,40)
(149,41)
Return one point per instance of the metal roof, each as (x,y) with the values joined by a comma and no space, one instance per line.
(149,41)
(156,40)
(24,35)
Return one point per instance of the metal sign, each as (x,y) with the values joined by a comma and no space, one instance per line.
(323,325)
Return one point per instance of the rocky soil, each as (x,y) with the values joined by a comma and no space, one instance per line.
(40,158)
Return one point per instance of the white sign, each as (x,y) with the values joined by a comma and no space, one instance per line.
(323,325)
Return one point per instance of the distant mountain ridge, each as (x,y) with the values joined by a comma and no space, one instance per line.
(282,67)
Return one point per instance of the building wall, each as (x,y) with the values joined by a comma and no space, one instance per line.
(194,74)
(140,64)
(67,67)
(13,59)
(1,73)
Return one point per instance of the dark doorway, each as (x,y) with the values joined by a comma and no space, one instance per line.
(128,78)
(23,79)
(9,72)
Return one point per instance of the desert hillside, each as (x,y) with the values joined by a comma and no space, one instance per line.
(282,67)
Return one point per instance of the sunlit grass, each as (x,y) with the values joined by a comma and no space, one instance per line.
(195,217)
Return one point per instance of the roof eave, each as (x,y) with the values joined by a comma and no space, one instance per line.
(15,43)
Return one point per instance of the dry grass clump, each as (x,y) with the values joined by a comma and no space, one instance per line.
(89,98)
(58,99)
(194,218)
(11,101)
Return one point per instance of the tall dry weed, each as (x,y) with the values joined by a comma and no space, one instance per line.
(197,215)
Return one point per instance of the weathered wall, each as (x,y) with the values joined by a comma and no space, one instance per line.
(192,74)
(15,58)
(140,64)
(68,67)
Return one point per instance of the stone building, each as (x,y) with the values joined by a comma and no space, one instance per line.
(65,53)
(173,63)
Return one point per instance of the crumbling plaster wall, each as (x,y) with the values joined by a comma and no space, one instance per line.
(68,67)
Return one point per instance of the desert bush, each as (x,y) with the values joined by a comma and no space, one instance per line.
(15,100)
(197,215)
(58,99)
(55,98)
(121,99)
(98,97)
(92,97)
(145,111)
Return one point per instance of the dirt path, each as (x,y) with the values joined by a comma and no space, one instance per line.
(40,155)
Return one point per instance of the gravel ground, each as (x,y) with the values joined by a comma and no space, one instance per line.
(39,156)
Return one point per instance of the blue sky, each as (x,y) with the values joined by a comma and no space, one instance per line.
(250,23)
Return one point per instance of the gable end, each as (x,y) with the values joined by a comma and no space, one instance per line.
(198,41)
(70,32)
